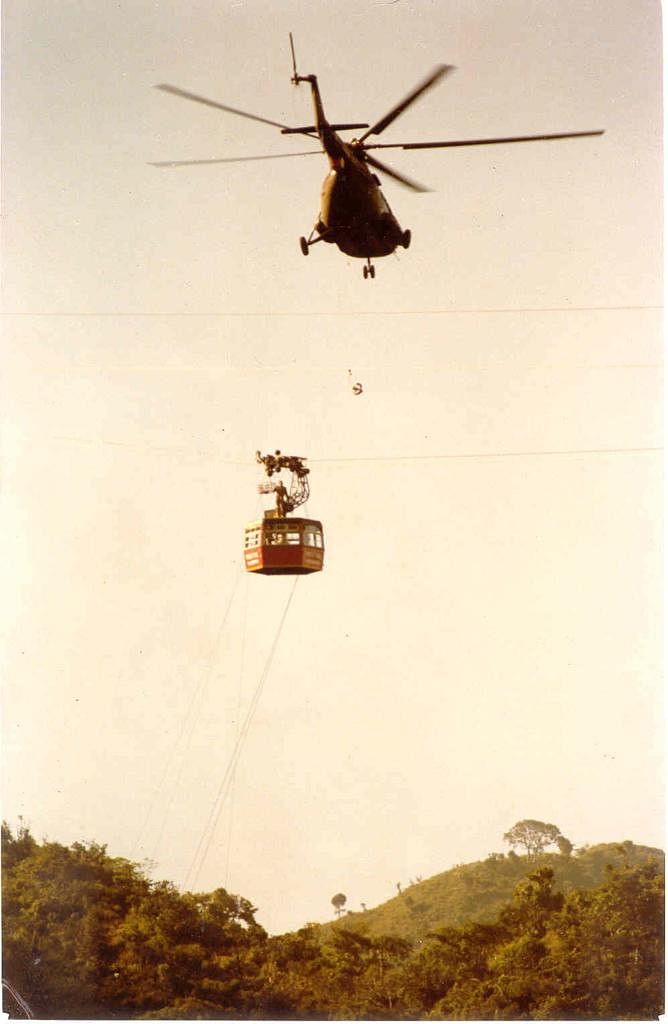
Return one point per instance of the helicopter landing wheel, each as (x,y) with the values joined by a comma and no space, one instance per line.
(365,271)
(372,271)
(406,239)
(368,270)
(303,244)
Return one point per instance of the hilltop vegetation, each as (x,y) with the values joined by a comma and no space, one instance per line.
(87,935)
(478,891)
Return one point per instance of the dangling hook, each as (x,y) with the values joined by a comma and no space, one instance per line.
(357,387)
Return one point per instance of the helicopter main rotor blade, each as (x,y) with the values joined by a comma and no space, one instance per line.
(218,106)
(231,159)
(481,142)
(391,115)
(401,178)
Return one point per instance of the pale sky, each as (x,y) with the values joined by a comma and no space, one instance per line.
(484,642)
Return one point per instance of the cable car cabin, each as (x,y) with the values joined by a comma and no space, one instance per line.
(279,546)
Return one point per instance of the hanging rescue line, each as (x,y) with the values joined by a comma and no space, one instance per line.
(276,544)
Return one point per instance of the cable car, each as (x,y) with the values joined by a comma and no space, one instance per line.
(278,544)
(281,546)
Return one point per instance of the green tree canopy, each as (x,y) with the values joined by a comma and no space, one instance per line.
(533,835)
(565,846)
(88,935)
(339,902)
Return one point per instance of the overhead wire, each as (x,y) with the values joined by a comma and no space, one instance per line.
(490,455)
(209,830)
(142,448)
(182,742)
(237,717)
(247,463)
(633,307)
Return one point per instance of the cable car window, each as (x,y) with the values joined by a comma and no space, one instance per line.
(309,539)
(318,540)
(293,537)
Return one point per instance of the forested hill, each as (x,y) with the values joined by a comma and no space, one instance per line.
(477,891)
(89,936)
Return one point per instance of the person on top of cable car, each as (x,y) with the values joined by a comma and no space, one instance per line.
(281,499)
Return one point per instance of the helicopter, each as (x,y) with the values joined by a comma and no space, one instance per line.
(354,214)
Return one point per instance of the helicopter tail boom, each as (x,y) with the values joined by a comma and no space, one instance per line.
(326,131)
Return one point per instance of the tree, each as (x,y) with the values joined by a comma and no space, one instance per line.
(533,835)
(565,846)
(60,910)
(15,848)
(87,936)
(296,977)
(611,939)
(339,902)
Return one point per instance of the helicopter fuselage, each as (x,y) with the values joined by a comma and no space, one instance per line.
(354,213)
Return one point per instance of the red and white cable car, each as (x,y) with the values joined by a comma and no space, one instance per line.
(279,544)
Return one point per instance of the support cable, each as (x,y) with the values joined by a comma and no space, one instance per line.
(247,463)
(492,455)
(237,718)
(209,830)
(183,739)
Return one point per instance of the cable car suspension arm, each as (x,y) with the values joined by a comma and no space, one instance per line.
(286,501)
